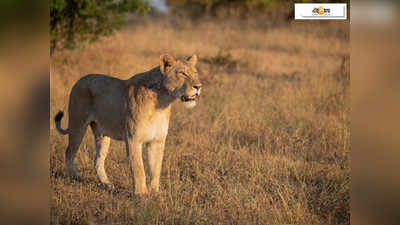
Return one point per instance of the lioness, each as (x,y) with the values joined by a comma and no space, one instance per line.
(136,111)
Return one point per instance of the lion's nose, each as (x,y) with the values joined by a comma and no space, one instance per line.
(197,86)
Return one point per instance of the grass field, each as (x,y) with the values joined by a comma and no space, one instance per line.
(268,143)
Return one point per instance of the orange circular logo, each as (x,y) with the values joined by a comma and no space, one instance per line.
(321,10)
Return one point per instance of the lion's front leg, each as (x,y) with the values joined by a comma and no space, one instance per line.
(134,150)
(155,156)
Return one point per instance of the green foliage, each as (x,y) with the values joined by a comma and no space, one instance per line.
(76,21)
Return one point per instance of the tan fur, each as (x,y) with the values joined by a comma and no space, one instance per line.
(136,111)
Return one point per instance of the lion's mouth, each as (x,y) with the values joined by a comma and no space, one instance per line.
(185,98)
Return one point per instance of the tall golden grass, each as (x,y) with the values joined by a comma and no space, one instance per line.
(268,143)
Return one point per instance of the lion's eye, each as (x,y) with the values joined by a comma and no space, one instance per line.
(184,74)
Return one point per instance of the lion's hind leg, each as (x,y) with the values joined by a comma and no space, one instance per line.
(75,139)
(102,146)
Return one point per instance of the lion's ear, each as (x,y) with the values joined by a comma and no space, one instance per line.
(192,60)
(166,63)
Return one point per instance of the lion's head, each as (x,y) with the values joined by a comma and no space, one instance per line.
(181,78)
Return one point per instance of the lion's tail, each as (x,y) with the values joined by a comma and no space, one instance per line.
(57,120)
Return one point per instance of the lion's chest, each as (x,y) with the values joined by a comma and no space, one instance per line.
(155,128)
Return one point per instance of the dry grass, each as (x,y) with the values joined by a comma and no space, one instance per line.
(269,142)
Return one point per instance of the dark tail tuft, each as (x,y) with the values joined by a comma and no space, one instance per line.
(59,116)
(57,120)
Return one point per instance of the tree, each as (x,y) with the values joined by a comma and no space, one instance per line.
(75,21)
